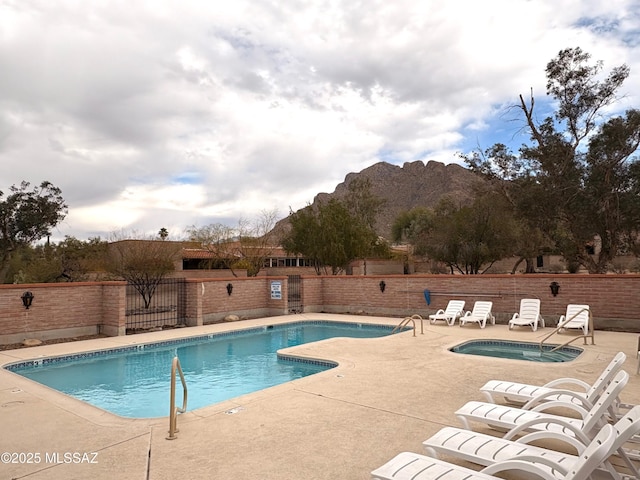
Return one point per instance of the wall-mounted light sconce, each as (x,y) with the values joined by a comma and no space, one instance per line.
(229,288)
(555,287)
(382,285)
(27,299)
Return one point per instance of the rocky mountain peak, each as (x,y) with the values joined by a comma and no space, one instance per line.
(412,185)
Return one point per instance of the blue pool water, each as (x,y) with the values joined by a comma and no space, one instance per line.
(517,350)
(134,381)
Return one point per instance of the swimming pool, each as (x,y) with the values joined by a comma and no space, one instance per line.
(134,381)
(517,350)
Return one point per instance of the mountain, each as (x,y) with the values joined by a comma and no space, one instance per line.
(403,188)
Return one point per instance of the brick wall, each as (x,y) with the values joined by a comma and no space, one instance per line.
(250,297)
(61,309)
(113,308)
(74,309)
(194,293)
(614,299)
(312,293)
(277,306)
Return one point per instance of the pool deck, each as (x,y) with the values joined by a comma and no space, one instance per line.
(387,395)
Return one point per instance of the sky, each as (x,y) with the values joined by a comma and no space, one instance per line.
(169,114)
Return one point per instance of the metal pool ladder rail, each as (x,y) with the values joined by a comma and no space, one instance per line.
(590,333)
(173,414)
(405,323)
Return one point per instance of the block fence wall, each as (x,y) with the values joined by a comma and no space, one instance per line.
(77,309)
(250,297)
(614,299)
(61,310)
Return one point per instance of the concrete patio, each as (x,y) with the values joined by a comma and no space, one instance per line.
(387,395)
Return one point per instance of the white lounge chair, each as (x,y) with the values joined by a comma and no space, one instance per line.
(480,314)
(486,449)
(455,308)
(517,420)
(577,316)
(530,395)
(413,466)
(529,314)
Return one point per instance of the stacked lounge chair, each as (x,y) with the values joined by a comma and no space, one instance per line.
(531,395)
(413,466)
(486,449)
(589,432)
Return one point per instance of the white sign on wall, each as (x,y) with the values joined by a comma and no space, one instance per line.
(276,290)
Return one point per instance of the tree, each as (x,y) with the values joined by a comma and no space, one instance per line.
(468,239)
(142,262)
(163,233)
(305,237)
(609,189)
(71,260)
(362,203)
(631,235)
(510,179)
(245,246)
(34,264)
(80,258)
(330,236)
(410,225)
(365,207)
(217,239)
(27,216)
(574,193)
(406,229)
(256,241)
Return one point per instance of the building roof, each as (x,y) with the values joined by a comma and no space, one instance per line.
(204,254)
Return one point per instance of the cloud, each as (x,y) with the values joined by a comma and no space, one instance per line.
(168,114)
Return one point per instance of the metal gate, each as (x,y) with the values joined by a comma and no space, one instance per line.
(156,304)
(294,296)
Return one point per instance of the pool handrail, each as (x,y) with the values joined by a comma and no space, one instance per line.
(590,329)
(406,321)
(173,410)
